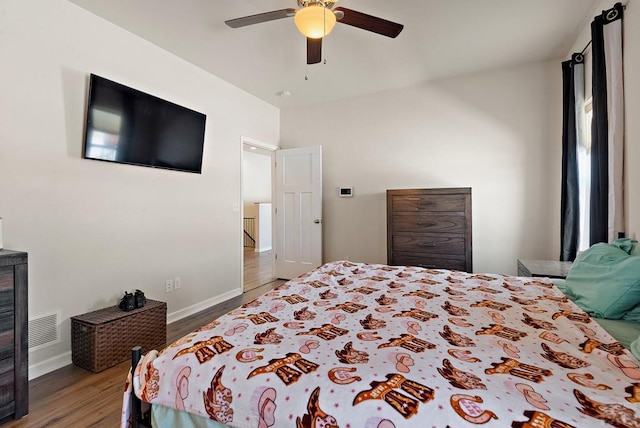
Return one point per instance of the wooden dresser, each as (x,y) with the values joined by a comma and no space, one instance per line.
(14,341)
(430,228)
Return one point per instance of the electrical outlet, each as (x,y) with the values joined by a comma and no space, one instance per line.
(177,283)
(169,285)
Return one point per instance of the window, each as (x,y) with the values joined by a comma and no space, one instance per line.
(584,173)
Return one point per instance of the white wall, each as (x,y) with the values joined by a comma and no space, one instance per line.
(256,190)
(632,113)
(631,42)
(93,229)
(497,132)
(264,230)
(256,171)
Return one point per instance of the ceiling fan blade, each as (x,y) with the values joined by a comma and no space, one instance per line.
(368,22)
(261,17)
(314,50)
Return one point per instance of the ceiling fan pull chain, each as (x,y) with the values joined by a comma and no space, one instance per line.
(324,32)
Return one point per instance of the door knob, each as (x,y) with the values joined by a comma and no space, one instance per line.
(317,221)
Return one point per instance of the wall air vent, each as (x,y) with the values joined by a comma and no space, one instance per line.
(44,331)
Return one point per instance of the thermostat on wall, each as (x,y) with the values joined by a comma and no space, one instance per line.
(345,192)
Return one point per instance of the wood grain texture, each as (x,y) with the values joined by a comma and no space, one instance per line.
(21,314)
(14,391)
(258,268)
(74,397)
(430,261)
(430,228)
(367,22)
(428,203)
(12,258)
(429,243)
(432,222)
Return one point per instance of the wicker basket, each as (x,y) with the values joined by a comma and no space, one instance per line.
(104,338)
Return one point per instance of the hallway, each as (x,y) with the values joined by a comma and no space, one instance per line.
(258,269)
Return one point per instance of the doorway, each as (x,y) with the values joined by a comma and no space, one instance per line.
(257,194)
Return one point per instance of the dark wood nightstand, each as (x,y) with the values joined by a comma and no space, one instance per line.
(14,355)
(547,268)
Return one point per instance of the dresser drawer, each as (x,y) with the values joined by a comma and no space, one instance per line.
(7,376)
(428,243)
(6,277)
(436,222)
(6,288)
(429,261)
(428,203)
(7,337)
(6,302)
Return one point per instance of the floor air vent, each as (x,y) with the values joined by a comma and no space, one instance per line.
(44,331)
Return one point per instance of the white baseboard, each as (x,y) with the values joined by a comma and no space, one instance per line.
(59,361)
(194,309)
(49,365)
(262,250)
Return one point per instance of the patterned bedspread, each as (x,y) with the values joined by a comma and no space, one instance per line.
(372,346)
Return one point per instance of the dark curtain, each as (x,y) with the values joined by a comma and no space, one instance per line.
(570,210)
(601,227)
(599,219)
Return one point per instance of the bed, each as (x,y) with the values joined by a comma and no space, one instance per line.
(356,345)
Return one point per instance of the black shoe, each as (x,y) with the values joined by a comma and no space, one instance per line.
(128,302)
(140,299)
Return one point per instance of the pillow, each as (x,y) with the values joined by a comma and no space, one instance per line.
(634,314)
(625,244)
(605,281)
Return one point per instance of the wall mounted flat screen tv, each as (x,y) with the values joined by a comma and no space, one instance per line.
(128,126)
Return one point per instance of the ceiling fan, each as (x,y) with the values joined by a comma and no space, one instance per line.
(316,18)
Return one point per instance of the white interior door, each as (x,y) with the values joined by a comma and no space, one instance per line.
(298,185)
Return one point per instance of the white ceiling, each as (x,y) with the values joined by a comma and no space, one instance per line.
(441,38)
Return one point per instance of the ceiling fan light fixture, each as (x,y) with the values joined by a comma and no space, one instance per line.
(315,21)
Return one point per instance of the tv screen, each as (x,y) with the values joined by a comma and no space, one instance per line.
(128,126)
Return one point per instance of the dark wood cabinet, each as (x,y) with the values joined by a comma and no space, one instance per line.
(14,341)
(430,228)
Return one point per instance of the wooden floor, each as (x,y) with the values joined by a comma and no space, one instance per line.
(258,268)
(74,397)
